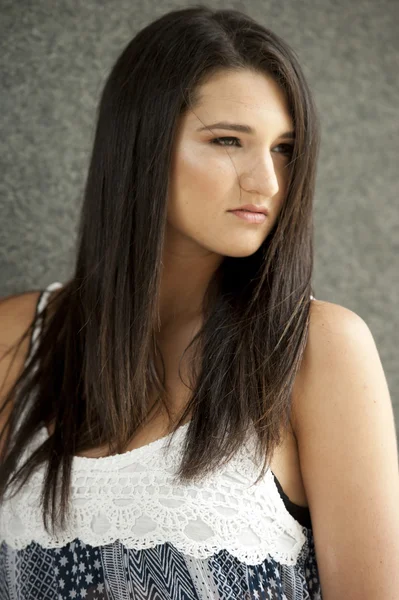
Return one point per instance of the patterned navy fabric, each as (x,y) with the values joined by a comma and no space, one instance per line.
(78,570)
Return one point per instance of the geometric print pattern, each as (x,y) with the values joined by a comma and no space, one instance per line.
(115,572)
(34,573)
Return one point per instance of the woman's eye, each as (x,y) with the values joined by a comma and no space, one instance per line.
(217,141)
(288,149)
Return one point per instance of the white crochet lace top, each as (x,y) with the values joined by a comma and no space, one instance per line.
(132,499)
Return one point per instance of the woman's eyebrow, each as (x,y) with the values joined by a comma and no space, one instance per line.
(243,129)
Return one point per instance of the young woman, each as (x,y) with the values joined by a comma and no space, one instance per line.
(181,419)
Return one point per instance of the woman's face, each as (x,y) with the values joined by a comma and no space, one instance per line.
(206,173)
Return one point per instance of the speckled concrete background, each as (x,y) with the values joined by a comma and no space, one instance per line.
(54,59)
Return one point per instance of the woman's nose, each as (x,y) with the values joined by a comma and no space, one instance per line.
(262,178)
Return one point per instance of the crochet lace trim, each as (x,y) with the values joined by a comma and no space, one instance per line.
(133,497)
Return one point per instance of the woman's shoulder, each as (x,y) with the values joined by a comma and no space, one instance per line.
(17,312)
(331,325)
(328,318)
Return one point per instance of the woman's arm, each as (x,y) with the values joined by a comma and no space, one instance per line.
(344,423)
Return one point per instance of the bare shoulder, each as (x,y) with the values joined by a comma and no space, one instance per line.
(329,324)
(344,423)
(328,317)
(16,315)
(339,342)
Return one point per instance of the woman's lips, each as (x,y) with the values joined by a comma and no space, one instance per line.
(249,216)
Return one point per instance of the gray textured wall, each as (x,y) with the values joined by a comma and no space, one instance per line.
(54,59)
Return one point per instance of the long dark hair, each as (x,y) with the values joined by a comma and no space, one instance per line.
(95,366)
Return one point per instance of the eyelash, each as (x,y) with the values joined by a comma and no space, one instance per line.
(216,142)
